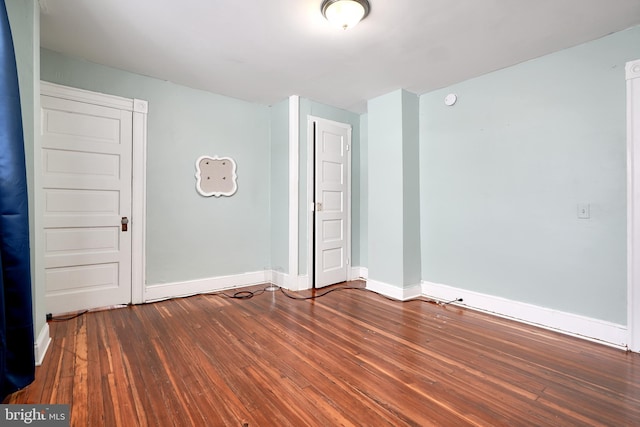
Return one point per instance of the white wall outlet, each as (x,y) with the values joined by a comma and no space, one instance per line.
(584,210)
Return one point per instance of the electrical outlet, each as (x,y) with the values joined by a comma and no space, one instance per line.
(584,210)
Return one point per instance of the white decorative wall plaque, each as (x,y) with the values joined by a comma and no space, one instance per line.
(216,176)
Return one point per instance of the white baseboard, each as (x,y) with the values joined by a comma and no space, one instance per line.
(600,331)
(301,283)
(212,284)
(278,278)
(393,291)
(568,323)
(289,282)
(359,273)
(41,345)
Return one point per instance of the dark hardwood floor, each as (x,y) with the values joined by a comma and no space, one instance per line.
(350,358)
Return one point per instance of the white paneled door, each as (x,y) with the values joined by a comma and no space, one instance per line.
(86,189)
(331,229)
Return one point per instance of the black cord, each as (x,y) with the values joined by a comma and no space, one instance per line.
(50,318)
(240,294)
(251,294)
(452,301)
(319,295)
(358,288)
(431,301)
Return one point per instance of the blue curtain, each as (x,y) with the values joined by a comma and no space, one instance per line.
(17,364)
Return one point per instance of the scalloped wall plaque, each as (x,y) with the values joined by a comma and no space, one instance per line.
(216,176)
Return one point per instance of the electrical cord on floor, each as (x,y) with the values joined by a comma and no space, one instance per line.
(245,294)
(317,295)
(250,294)
(358,288)
(240,294)
(50,317)
(421,299)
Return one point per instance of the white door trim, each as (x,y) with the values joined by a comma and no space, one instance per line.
(311,195)
(138,201)
(633,205)
(294,188)
(139,109)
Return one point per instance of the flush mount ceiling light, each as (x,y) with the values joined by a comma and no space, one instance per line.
(345,13)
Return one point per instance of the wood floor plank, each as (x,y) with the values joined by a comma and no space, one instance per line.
(351,358)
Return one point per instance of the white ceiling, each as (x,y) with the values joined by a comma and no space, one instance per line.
(265,50)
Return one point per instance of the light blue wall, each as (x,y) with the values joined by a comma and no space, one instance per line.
(189,236)
(279,190)
(24,19)
(393,189)
(411,189)
(502,173)
(312,108)
(359,185)
(385,188)
(185,123)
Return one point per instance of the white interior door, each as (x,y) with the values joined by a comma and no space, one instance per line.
(86,186)
(331,229)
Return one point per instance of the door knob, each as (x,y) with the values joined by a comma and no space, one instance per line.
(124,223)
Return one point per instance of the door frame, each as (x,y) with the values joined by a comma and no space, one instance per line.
(139,109)
(633,205)
(311,156)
